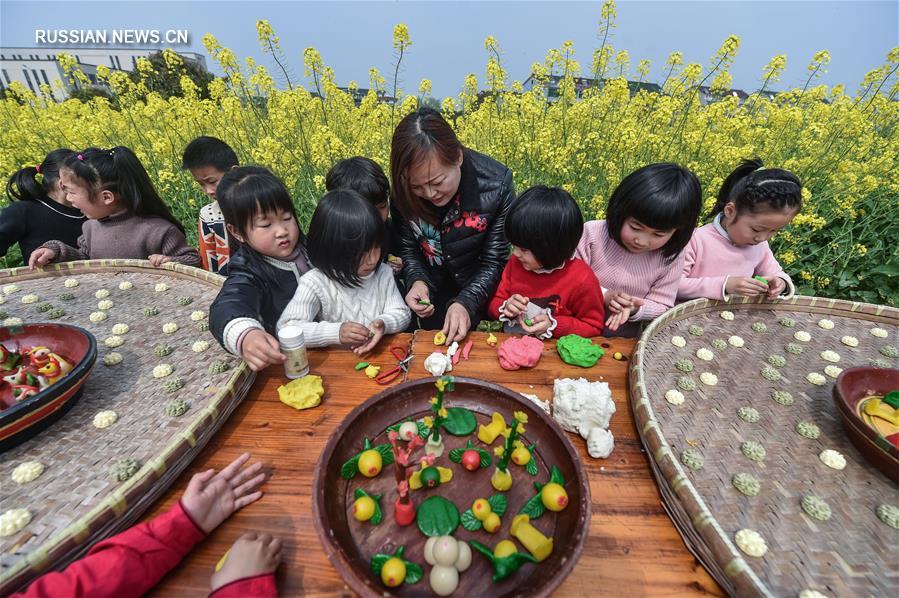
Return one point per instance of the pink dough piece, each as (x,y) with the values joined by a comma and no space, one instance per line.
(467,349)
(515,353)
(456,356)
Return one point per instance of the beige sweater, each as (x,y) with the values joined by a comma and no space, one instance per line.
(126,236)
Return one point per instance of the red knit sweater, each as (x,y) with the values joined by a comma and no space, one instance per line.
(571,292)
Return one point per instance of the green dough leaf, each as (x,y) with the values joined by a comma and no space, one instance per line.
(377,563)
(498,504)
(455,455)
(533,508)
(413,572)
(386,454)
(507,565)
(531,467)
(359,493)
(437,516)
(470,522)
(555,475)
(349,469)
(378,516)
(486,459)
(459,421)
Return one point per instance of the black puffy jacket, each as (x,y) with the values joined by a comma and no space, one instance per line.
(251,293)
(472,235)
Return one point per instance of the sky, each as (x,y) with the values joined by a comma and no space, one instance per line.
(448,36)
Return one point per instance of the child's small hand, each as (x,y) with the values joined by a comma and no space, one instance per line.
(251,555)
(260,350)
(41,257)
(617,301)
(211,498)
(376,333)
(353,334)
(395,263)
(615,321)
(539,324)
(745,286)
(419,299)
(157,259)
(515,306)
(776,287)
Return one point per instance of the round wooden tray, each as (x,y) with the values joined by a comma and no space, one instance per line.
(351,544)
(845,555)
(76,502)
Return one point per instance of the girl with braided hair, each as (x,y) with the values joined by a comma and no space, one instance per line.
(730,256)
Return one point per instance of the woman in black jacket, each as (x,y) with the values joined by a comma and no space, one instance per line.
(450,206)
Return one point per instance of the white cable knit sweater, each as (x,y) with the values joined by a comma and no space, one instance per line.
(321,305)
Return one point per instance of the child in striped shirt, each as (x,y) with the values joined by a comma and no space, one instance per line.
(349,298)
(636,251)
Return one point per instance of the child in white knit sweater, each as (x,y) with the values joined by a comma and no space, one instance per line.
(349,298)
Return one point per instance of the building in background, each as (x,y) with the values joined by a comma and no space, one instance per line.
(33,67)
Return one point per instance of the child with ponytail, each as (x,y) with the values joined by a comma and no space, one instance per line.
(126,217)
(730,256)
(39,210)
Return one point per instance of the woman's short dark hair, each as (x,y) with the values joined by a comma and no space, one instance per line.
(662,196)
(547,222)
(209,151)
(416,137)
(362,175)
(344,227)
(750,187)
(249,190)
(23,185)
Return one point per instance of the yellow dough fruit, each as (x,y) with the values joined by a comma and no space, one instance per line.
(439,338)
(521,456)
(393,573)
(370,463)
(554,497)
(501,480)
(492,523)
(505,548)
(364,508)
(481,508)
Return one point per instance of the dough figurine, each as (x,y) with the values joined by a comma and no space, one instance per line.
(492,340)
(502,479)
(485,513)
(439,339)
(403,508)
(430,475)
(505,558)
(367,507)
(551,495)
(531,538)
(487,434)
(437,364)
(394,570)
(471,457)
(434,444)
(366,462)
(448,557)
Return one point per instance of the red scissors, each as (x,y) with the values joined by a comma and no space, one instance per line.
(403,366)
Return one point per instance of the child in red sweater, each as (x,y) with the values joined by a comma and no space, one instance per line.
(545,290)
(131,563)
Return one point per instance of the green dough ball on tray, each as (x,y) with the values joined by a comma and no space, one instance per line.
(815,507)
(808,430)
(769,373)
(759,327)
(684,365)
(696,330)
(889,351)
(746,484)
(692,458)
(219,367)
(176,407)
(162,350)
(787,322)
(782,397)
(777,360)
(686,383)
(719,344)
(753,450)
(124,469)
(748,414)
(794,349)
(173,385)
(889,514)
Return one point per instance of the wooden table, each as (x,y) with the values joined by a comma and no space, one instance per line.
(632,549)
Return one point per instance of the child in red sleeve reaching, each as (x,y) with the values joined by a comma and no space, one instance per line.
(131,563)
(545,290)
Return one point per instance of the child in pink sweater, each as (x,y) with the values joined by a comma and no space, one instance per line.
(724,256)
(635,252)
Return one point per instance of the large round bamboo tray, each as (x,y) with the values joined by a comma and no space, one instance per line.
(852,553)
(76,502)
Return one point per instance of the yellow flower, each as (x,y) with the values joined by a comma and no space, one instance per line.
(440,383)
(520,416)
(520,428)
(442,412)
(433,400)
(499,450)
(401,39)
(424,88)
(428,421)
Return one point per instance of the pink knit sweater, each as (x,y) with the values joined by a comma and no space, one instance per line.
(710,258)
(649,276)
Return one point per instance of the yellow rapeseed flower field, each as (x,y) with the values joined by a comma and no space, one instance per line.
(843,145)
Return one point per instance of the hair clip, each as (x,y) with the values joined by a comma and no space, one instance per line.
(38,168)
(112,152)
(80,157)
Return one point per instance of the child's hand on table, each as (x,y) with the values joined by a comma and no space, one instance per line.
(251,555)
(212,497)
(376,331)
(618,319)
(776,287)
(353,334)
(515,306)
(539,324)
(260,350)
(617,301)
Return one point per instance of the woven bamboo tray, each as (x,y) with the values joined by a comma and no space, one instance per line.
(852,553)
(76,502)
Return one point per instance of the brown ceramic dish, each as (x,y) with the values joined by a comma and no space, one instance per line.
(853,385)
(21,421)
(351,544)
